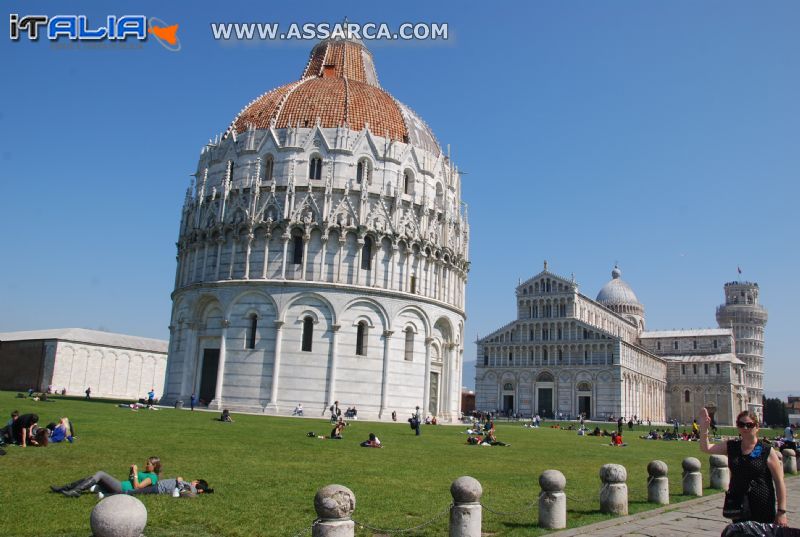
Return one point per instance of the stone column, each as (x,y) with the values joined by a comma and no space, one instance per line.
(276,369)
(657,483)
(220,242)
(342,243)
(552,500)
(322,276)
(614,490)
(285,238)
(249,247)
(306,240)
(466,513)
(387,338)
(692,478)
(267,238)
(359,254)
(789,461)
(333,359)
(217,402)
(189,361)
(720,473)
(427,380)
(234,240)
(205,260)
(334,505)
(392,262)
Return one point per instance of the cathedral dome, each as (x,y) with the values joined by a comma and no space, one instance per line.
(617,292)
(338,88)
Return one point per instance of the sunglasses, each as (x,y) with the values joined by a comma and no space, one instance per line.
(746,424)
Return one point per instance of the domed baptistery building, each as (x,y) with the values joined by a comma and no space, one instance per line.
(323,254)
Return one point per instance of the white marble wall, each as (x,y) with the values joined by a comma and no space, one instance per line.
(109,371)
(332,370)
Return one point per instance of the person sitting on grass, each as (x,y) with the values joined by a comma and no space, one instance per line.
(616,440)
(336,433)
(22,429)
(372,441)
(6,434)
(226,416)
(109,485)
(63,430)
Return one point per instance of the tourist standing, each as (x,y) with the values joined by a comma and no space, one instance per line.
(88,392)
(417,421)
(756,471)
(151,397)
(193,400)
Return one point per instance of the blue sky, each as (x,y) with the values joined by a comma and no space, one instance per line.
(661,135)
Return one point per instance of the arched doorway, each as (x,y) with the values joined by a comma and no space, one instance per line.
(508,398)
(584,393)
(544,390)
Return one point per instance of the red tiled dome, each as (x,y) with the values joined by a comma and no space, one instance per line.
(339,87)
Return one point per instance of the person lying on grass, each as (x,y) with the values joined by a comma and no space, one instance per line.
(372,441)
(109,485)
(168,486)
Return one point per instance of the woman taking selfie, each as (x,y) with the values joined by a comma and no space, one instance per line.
(109,485)
(756,471)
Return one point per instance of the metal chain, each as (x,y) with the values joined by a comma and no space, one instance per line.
(512,513)
(436,517)
(306,530)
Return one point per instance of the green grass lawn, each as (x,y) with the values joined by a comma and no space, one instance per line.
(266,471)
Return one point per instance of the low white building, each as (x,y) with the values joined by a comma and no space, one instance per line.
(113,365)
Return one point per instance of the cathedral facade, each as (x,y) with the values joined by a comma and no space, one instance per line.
(323,254)
(566,354)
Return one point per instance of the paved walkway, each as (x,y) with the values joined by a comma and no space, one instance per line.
(699,518)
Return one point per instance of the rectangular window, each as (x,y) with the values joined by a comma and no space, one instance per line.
(694,344)
(409,350)
(486,359)
(717,369)
(694,369)
(715,343)
(413,284)
(308,329)
(251,332)
(705,368)
(658,345)
(675,345)
(683,369)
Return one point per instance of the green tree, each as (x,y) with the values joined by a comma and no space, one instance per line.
(775,412)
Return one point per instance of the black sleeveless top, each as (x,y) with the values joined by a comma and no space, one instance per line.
(752,474)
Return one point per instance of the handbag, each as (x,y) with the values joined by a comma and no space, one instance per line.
(737,507)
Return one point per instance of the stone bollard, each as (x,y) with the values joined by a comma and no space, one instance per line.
(466,513)
(334,505)
(552,500)
(789,461)
(720,473)
(692,478)
(614,491)
(118,516)
(657,483)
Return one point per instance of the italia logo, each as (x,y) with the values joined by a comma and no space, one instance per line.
(78,28)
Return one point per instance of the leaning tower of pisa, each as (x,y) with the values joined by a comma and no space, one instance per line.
(747,318)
